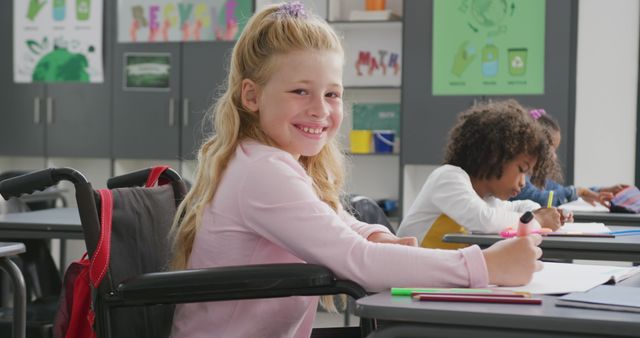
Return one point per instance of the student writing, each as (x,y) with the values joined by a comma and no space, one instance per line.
(267,190)
(490,150)
(562,193)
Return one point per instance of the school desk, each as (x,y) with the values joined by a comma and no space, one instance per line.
(7,250)
(620,248)
(400,316)
(61,223)
(607,218)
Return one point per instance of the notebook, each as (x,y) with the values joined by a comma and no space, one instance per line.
(604,297)
(583,228)
(561,278)
(582,205)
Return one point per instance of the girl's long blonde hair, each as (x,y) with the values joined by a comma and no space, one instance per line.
(269,33)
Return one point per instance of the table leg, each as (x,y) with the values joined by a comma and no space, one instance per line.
(19,297)
(63,256)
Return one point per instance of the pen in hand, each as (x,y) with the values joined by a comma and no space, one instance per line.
(523,225)
(550,200)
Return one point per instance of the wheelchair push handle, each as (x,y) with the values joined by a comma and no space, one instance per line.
(139,178)
(39,180)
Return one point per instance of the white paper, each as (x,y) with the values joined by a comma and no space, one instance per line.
(560,278)
(582,205)
(583,228)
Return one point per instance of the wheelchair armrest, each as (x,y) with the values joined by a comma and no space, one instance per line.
(228,283)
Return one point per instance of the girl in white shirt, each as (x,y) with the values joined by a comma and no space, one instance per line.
(491,149)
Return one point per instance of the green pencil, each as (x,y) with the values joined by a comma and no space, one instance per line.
(409,291)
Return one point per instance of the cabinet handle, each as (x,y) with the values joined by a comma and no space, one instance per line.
(172,113)
(185,112)
(49,110)
(36,110)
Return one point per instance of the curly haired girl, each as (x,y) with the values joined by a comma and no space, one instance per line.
(491,149)
(562,193)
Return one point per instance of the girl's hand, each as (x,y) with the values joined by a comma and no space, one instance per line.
(614,189)
(548,218)
(592,197)
(512,262)
(566,216)
(384,237)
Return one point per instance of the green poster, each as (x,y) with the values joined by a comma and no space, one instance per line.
(377,116)
(483,47)
(147,71)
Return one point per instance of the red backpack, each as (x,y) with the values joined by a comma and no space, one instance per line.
(75,315)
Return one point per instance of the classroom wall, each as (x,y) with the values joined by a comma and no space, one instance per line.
(606,92)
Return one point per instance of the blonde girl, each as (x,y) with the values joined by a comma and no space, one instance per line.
(267,186)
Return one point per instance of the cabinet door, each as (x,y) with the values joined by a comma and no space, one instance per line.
(22,126)
(79,121)
(204,71)
(145,111)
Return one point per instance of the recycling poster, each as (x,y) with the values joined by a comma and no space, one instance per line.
(57,41)
(484,47)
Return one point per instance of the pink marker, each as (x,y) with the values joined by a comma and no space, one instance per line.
(513,233)
(523,226)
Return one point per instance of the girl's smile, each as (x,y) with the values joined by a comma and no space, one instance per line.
(314,132)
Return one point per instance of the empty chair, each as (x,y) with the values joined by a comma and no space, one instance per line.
(365,209)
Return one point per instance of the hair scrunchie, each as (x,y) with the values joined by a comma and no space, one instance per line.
(537,113)
(293,9)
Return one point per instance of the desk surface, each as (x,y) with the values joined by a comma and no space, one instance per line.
(499,320)
(607,218)
(48,223)
(620,248)
(11,249)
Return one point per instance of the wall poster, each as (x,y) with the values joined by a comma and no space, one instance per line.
(485,47)
(57,41)
(147,71)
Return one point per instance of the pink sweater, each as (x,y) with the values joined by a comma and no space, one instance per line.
(266,211)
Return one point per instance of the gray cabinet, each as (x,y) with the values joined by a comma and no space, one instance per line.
(165,123)
(146,121)
(77,120)
(204,75)
(21,129)
(57,119)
